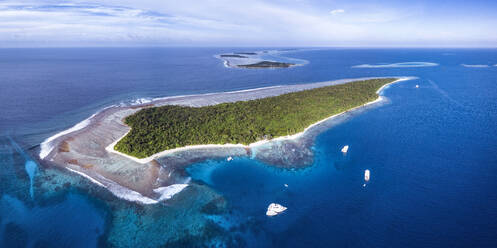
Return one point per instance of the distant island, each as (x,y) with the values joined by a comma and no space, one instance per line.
(232,56)
(267,64)
(273,59)
(247,53)
(156,129)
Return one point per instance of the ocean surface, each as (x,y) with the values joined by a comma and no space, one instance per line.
(432,153)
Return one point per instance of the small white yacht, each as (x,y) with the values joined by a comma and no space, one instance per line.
(345,149)
(366,175)
(275,209)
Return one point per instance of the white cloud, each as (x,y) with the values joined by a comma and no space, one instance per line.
(337,11)
(225,23)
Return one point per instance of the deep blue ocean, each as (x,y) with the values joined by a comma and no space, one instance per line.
(432,150)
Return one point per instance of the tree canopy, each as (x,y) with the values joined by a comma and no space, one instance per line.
(167,127)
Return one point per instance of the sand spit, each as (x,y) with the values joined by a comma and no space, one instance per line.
(88,149)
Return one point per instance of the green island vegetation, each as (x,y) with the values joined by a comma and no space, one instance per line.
(232,56)
(267,64)
(246,53)
(167,127)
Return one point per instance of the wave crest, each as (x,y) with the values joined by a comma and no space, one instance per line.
(46,146)
(165,193)
(475,66)
(397,65)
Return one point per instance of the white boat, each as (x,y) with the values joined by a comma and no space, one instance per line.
(275,209)
(286,185)
(417,86)
(229,158)
(345,149)
(366,175)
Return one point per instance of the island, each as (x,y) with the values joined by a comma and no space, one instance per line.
(267,64)
(232,56)
(140,151)
(247,53)
(162,128)
(260,60)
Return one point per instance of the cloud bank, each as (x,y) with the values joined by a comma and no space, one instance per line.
(337,11)
(234,23)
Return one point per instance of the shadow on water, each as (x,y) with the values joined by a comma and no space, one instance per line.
(30,165)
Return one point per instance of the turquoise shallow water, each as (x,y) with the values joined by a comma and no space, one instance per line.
(431,152)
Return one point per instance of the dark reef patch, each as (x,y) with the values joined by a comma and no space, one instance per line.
(267,64)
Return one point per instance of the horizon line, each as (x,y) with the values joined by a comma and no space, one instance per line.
(219,46)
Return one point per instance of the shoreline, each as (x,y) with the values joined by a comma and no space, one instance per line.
(45,148)
(88,121)
(86,148)
(148,159)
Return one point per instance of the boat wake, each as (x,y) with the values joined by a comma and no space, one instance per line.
(444,94)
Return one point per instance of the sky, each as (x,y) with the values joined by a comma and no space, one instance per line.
(276,23)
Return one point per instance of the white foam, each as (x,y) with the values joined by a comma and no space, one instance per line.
(46,147)
(254,89)
(87,177)
(169,191)
(130,195)
(475,66)
(397,65)
(141,101)
(116,189)
(137,101)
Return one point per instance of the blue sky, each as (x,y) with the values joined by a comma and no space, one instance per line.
(367,23)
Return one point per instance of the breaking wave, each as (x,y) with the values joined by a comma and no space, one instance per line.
(165,193)
(397,65)
(139,101)
(475,66)
(46,147)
